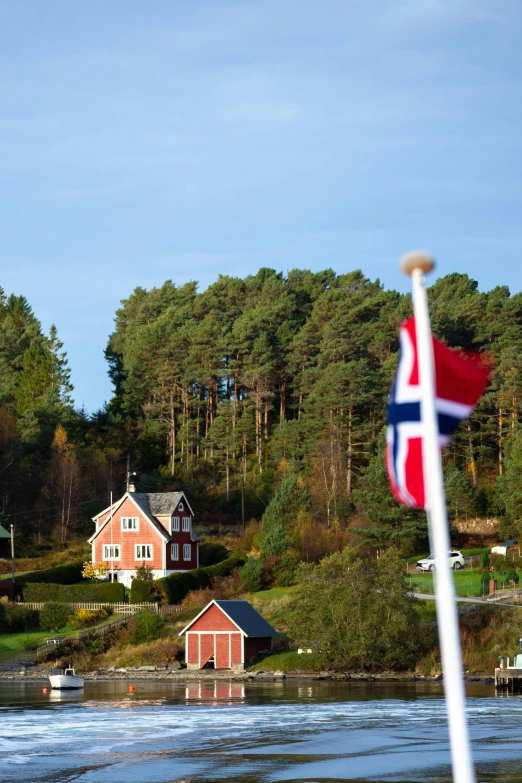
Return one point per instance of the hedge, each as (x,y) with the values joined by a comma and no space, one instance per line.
(15,618)
(60,575)
(210,554)
(145,592)
(103,592)
(173,589)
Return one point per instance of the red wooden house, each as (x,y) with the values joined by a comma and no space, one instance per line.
(154,528)
(225,635)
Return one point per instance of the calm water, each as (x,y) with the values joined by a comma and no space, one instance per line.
(326,732)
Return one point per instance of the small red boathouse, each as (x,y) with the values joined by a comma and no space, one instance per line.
(225,635)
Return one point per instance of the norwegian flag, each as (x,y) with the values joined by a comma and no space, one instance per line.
(459,380)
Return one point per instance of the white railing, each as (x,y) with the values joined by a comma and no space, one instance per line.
(125,609)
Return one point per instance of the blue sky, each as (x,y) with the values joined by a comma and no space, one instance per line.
(147,141)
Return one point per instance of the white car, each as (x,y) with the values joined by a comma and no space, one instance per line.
(455,559)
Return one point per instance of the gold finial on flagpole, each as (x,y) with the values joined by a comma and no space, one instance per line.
(417,259)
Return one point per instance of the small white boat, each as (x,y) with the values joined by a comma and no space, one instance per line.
(65,680)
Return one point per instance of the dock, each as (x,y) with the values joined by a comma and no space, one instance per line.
(508,676)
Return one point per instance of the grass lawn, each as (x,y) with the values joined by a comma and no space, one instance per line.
(467,582)
(475,552)
(287,661)
(270,595)
(274,605)
(12,644)
(76,551)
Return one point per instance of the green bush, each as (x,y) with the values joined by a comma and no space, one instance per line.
(355,611)
(287,571)
(53,616)
(100,592)
(61,575)
(144,573)
(251,575)
(274,541)
(210,554)
(15,618)
(512,576)
(173,589)
(147,627)
(82,618)
(145,592)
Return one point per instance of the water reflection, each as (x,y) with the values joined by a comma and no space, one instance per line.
(218,691)
(259,732)
(57,697)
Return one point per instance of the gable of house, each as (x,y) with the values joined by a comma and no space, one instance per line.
(119,542)
(130,505)
(230,616)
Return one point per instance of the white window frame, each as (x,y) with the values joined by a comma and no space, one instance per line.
(107,551)
(138,549)
(181,507)
(125,523)
(187,548)
(175,524)
(185,524)
(174,551)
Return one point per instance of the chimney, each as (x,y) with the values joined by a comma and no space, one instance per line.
(131,482)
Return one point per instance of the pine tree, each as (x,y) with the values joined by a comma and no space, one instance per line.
(386,522)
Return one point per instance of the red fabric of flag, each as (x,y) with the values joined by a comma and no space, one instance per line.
(460,379)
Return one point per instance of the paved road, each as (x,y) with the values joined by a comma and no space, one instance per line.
(460,599)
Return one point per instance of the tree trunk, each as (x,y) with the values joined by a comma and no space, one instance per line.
(334,471)
(350,451)
(243,472)
(227,469)
(472,463)
(300,394)
(500,460)
(282,397)
(259,443)
(69,501)
(172,436)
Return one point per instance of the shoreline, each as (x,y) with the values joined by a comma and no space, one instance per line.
(36,674)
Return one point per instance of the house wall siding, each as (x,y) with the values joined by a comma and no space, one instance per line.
(236,647)
(222,651)
(213,620)
(182,537)
(206,647)
(182,565)
(164,522)
(127,539)
(192,647)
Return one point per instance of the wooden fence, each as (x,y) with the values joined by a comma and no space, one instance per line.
(125,609)
(508,595)
(100,630)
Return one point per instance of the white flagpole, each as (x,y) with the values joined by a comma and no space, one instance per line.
(416,264)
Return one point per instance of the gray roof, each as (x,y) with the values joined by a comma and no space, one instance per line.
(163,502)
(245,616)
(157,503)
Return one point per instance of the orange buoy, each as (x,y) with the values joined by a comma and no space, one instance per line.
(46,690)
(131,689)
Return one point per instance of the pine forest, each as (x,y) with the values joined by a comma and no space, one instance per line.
(264,398)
